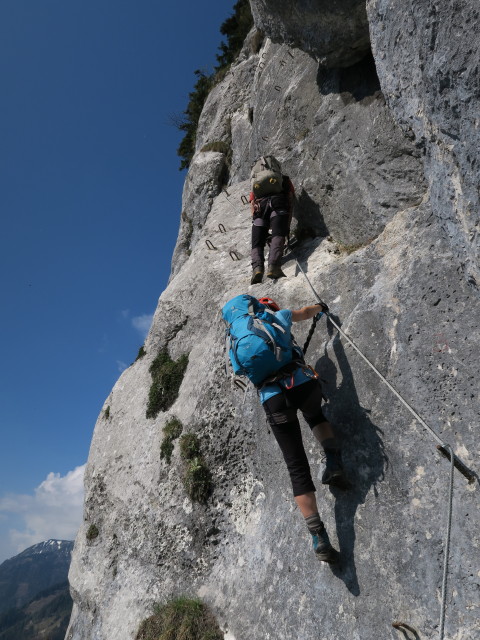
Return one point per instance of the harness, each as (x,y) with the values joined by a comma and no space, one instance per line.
(268,207)
(288,371)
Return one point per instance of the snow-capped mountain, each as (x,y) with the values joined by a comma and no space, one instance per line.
(37,568)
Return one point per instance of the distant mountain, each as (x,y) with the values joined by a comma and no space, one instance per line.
(45,616)
(37,568)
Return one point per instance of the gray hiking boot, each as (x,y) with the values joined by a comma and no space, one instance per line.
(322,547)
(257,275)
(275,272)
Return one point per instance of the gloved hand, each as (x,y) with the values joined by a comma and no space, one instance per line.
(322,306)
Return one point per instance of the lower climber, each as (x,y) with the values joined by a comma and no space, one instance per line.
(281,399)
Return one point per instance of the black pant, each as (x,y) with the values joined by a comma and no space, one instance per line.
(281,412)
(271,214)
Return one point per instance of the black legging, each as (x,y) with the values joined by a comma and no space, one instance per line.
(281,411)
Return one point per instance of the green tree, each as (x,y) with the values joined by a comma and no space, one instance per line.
(235,28)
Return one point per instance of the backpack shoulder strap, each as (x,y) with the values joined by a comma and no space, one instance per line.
(260,326)
(273,323)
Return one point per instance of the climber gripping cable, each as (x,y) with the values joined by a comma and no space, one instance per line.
(272,198)
(286,384)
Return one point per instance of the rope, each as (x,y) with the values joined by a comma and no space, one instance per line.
(447,544)
(461,466)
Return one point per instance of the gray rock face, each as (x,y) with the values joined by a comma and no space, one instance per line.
(332,132)
(203,183)
(427,57)
(335,33)
(377,247)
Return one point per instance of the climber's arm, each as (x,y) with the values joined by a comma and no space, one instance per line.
(305,313)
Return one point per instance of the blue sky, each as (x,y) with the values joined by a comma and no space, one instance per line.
(90,197)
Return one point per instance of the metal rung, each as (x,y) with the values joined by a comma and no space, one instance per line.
(240,384)
(402,625)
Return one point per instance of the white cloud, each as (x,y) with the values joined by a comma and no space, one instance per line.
(142,323)
(54,511)
(122,365)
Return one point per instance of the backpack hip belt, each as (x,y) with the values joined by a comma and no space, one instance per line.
(289,370)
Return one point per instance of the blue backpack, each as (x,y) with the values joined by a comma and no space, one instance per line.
(258,345)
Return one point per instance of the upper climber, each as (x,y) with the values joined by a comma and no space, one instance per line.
(271,202)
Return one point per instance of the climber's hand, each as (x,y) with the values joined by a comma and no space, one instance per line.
(322,306)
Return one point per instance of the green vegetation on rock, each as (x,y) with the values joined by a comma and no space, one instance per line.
(189,446)
(141,353)
(167,376)
(171,431)
(92,532)
(197,478)
(351,248)
(180,619)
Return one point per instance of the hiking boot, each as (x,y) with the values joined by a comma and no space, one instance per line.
(334,474)
(257,275)
(322,547)
(275,272)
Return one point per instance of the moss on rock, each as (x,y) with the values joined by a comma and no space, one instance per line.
(180,619)
(167,376)
(171,431)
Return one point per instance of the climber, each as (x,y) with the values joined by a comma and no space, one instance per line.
(291,387)
(271,204)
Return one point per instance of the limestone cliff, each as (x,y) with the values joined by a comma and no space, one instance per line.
(374,115)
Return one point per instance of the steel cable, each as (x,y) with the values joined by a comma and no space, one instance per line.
(461,466)
(447,544)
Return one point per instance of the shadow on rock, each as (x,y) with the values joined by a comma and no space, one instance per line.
(310,222)
(363,453)
(356,83)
